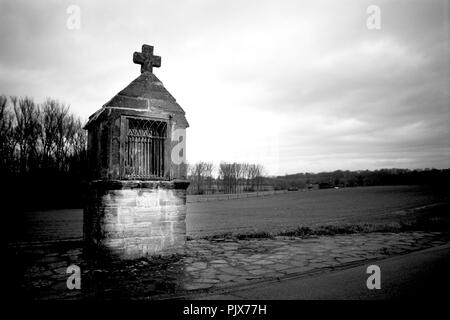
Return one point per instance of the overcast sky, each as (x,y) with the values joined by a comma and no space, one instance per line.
(298,86)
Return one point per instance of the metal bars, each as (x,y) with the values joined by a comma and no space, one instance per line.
(144,156)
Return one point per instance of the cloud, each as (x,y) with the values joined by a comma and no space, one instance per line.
(294,85)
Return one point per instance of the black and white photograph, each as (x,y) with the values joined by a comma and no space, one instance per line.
(225,155)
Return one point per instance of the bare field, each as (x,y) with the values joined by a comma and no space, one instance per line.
(309,208)
(269,213)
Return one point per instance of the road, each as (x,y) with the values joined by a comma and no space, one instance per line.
(352,205)
(419,275)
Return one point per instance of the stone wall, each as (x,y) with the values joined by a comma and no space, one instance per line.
(132,219)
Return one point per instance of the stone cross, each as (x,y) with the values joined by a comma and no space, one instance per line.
(146,59)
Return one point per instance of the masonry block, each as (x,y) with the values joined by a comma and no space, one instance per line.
(132,220)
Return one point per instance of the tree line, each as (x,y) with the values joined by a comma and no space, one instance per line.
(345,178)
(42,152)
(227,177)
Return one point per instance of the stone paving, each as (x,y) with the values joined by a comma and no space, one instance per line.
(204,265)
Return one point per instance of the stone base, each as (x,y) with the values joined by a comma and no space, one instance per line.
(134,219)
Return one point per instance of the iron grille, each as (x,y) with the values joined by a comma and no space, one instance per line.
(144,156)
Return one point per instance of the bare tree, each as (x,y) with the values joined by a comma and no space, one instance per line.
(237,172)
(208,177)
(225,172)
(199,168)
(255,176)
(26,131)
(49,128)
(259,176)
(245,167)
(7,141)
(62,136)
(64,129)
(77,151)
(200,175)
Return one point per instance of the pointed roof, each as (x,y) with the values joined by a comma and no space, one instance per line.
(145,94)
(149,88)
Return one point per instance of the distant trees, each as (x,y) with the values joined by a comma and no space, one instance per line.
(62,137)
(238,177)
(41,146)
(37,137)
(201,176)
(230,178)
(341,178)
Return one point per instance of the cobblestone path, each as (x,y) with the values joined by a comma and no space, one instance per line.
(205,265)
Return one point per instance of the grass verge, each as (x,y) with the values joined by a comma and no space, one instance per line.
(432,219)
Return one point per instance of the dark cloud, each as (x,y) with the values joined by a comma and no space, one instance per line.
(304,84)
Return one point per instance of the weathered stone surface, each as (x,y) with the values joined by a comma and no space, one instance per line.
(132,222)
(146,59)
(196,268)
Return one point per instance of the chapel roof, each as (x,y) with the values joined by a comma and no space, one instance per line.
(146,95)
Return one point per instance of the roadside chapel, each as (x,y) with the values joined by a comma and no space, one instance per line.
(136,197)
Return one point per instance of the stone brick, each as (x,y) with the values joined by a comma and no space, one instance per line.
(135,222)
(126,215)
